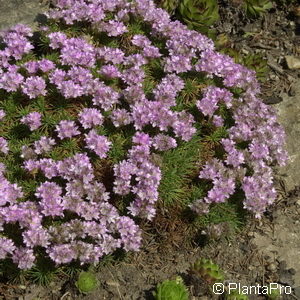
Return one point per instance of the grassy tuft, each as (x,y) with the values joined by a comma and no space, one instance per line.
(178,167)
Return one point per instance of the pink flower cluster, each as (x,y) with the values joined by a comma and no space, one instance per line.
(255,123)
(74,77)
(146,174)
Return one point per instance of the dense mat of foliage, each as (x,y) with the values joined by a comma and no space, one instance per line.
(98,106)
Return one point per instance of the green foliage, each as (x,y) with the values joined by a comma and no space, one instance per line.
(119,146)
(44,272)
(231,212)
(10,273)
(217,135)
(191,92)
(222,41)
(86,282)
(171,290)
(257,63)
(199,14)
(71,270)
(178,166)
(234,295)
(256,8)
(274,294)
(207,270)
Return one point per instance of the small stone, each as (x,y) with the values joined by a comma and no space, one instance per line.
(286,278)
(272,267)
(251,234)
(272,100)
(292,62)
(112,283)
(273,77)
(22,287)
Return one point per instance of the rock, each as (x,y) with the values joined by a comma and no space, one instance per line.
(272,100)
(22,287)
(288,112)
(251,234)
(15,11)
(292,62)
(284,249)
(272,267)
(286,278)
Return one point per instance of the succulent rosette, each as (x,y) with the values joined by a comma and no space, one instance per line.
(199,14)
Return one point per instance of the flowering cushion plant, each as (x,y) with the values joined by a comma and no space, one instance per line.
(108,93)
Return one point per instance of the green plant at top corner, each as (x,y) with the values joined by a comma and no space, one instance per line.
(207,270)
(256,8)
(86,282)
(199,14)
(171,290)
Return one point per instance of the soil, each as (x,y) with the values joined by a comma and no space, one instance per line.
(254,255)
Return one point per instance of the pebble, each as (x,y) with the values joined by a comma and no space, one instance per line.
(274,77)
(292,62)
(22,287)
(273,100)
(112,283)
(272,267)
(251,234)
(286,278)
